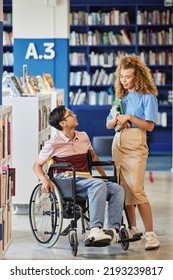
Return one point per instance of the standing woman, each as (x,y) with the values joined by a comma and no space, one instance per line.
(135,87)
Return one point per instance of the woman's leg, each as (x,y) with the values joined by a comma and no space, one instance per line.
(146,215)
(131,214)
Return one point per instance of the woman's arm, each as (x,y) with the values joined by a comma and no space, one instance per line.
(113,122)
(146,125)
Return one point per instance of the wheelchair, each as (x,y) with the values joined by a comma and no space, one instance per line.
(48,210)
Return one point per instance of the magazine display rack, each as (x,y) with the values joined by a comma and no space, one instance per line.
(30,130)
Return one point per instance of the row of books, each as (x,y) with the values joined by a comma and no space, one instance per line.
(112,58)
(80,97)
(93,38)
(77,98)
(106,59)
(43,117)
(114,17)
(154,17)
(7,18)
(99,77)
(150,36)
(77,58)
(162,119)
(159,78)
(170,96)
(106,97)
(8,59)
(7,38)
(157,58)
(29,84)
(7,184)
(166,99)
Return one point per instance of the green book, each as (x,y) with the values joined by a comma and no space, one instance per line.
(117,109)
(118,104)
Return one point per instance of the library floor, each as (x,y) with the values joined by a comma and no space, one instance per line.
(160,191)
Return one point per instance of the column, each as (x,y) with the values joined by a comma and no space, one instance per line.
(41,30)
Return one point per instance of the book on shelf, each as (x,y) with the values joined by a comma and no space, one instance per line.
(76,97)
(92,100)
(7,38)
(7,18)
(5,136)
(33,84)
(12,181)
(41,83)
(47,77)
(125,36)
(81,99)
(24,79)
(15,85)
(4,185)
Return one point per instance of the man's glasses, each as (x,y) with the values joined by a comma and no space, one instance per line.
(71,114)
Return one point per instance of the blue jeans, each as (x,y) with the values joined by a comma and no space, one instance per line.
(98,192)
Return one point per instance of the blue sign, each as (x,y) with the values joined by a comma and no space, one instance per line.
(44,55)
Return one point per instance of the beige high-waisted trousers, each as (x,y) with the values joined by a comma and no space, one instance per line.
(130,152)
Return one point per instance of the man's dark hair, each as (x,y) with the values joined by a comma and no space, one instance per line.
(56,115)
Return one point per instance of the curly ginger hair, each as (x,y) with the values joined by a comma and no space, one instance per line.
(144,83)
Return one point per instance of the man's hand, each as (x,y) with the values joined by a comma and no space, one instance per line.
(47,185)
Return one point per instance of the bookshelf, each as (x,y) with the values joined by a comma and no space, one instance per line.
(5,197)
(99,34)
(30,130)
(8,58)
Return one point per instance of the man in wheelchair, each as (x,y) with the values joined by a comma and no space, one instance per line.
(72,146)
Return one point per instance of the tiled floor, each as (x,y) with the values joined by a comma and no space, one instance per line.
(160,192)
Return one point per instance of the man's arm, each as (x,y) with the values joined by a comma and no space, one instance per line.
(38,169)
(99,168)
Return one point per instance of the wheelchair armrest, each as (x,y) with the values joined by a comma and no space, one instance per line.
(102,163)
(64,165)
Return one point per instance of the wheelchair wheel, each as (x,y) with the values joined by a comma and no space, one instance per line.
(46,215)
(124,235)
(74,243)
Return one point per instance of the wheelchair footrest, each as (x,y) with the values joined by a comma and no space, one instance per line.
(91,243)
(135,237)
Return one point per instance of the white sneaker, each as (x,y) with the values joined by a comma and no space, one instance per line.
(97,234)
(151,241)
(114,235)
(133,231)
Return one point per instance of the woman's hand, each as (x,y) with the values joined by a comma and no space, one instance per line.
(123,120)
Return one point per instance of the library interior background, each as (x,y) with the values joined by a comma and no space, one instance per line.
(58,52)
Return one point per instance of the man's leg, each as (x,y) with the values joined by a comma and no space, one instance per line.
(95,190)
(115,198)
